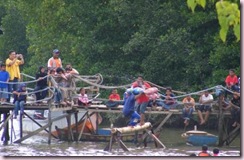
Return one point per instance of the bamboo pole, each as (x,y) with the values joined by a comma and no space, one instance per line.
(131,129)
(220,124)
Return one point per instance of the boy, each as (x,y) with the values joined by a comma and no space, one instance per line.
(4,77)
(19,100)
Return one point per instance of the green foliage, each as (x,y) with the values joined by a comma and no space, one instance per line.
(228,16)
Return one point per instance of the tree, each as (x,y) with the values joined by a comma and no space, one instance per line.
(228,15)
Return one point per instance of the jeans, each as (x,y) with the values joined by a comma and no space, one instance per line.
(134,119)
(187,114)
(19,105)
(12,87)
(42,94)
(57,96)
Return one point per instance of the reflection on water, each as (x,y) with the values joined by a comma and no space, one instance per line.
(37,146)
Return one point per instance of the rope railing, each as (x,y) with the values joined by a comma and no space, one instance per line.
(99,85)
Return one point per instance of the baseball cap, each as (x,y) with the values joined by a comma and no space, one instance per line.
(22,85)
(56,51)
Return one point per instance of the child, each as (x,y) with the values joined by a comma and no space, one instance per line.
(19,100)
(83,98)
(4,77)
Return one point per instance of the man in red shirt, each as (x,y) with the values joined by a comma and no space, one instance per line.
(114,96)
(142,100)
(114,99)
(231,82)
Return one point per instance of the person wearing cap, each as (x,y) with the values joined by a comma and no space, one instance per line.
(204,151)
(205,101)
(4,77)
(19,100)
(12,67)
(54,62)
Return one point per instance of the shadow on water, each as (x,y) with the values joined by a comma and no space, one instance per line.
(171,138)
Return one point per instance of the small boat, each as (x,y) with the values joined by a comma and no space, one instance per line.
(91,132)
(199,138)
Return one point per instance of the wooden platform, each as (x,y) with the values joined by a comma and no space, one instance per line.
(97,108)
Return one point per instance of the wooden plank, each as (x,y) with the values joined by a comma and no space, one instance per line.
(40,129)
(6,121)
(156,139)
(163,122)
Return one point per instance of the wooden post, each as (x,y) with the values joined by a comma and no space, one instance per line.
(5,135)
(220,124)
(76,124)
(49,122)
(163,122)
(70,133)
(21,124)
(84,124)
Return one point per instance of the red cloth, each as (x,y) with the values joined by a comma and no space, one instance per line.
(114,97)
(143,98)
(231,80)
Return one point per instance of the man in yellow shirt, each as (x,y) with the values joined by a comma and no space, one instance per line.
(12,67)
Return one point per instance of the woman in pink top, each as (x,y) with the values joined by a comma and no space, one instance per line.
(83,98)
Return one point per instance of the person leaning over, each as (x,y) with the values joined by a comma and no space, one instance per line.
(142,101)
(12,67)
(70,69)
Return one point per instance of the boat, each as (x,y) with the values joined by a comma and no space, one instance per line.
(91,132)
(199,138)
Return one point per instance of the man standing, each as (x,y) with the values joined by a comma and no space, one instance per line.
(54,62)
(142,100)
(12,67)
(4,77)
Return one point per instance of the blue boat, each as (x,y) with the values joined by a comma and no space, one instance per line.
(199,138)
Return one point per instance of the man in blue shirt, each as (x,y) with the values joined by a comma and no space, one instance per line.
(129,108)
(4,77)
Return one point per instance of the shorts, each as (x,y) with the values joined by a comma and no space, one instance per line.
(141,108)
(3,93)
(205,108)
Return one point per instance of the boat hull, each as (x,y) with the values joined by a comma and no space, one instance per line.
(199,140)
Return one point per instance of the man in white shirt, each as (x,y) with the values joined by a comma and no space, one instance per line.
(205,100)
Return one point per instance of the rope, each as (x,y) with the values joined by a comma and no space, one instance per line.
(101,86)
(164,87)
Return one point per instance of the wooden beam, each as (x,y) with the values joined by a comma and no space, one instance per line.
(40,129)
(163,122)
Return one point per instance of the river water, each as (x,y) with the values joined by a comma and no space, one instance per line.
(170,137)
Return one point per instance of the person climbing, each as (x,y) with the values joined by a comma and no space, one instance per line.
(129,108)
(142,100)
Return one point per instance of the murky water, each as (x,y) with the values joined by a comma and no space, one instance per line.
(176,146)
